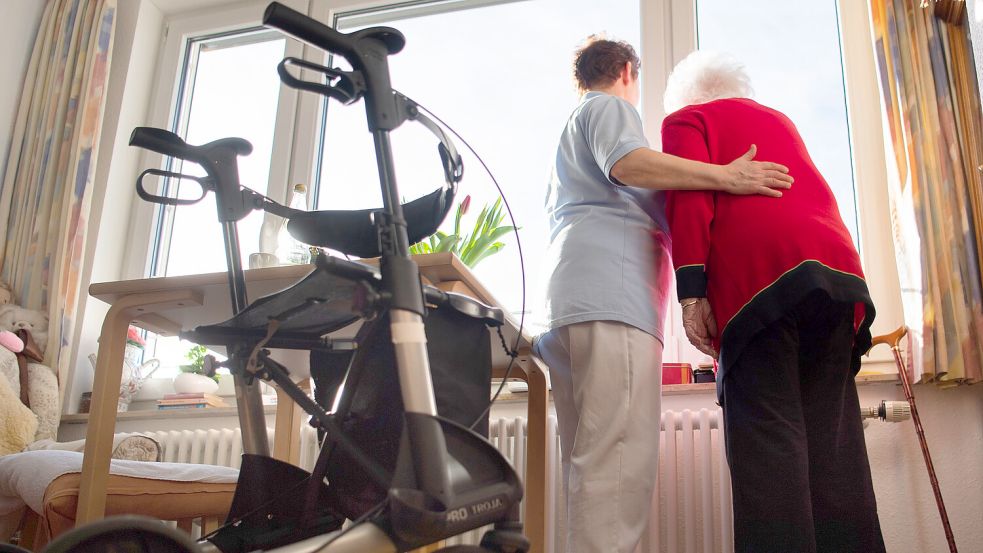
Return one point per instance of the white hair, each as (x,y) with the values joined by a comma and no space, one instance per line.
(704,76)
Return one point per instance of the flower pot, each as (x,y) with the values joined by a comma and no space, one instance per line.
(191,383)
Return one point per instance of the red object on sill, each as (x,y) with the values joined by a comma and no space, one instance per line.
(677,373)
(133,337)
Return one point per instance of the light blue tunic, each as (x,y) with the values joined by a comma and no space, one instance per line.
(609,255)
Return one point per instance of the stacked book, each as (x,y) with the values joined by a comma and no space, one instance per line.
(190,401)
(677,373)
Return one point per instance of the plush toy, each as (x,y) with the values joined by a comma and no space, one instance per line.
(14,318)
(19,423)
(10,341)
(41,393)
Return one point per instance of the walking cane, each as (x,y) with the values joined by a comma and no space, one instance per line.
(894,340)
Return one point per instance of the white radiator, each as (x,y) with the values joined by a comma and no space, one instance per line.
(222,446)
(691,509)
(691,506)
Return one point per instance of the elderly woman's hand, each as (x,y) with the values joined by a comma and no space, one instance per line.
(746,176)
(699,324)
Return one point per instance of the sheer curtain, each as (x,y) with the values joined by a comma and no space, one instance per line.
(46,191)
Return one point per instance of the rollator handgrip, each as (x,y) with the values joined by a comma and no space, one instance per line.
(170,144)
(308,30)
(160,141)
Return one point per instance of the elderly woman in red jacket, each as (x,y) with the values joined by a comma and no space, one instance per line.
(773,287)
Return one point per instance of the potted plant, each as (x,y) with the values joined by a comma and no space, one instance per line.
(198,376)
(474,246)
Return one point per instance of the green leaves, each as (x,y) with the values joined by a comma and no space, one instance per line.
(481,242)
(196,355)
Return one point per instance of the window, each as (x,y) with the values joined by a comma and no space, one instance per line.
(792,53)
(223,95)
(794,57)
(499,74)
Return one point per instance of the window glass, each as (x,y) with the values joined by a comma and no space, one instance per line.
(792,53)
(500,75)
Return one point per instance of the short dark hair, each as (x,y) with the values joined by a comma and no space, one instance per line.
(599,61)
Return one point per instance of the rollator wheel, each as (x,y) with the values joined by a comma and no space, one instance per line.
(124,534)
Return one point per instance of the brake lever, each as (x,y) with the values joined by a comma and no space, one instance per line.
(348,88)
(205,183)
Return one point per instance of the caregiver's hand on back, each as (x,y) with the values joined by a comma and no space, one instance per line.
(746,176)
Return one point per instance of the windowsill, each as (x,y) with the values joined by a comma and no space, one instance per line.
(506,397)
(711,387)
(707,387)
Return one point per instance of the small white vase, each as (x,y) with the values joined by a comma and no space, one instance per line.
(191,383)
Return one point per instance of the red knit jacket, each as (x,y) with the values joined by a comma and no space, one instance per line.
(754,257)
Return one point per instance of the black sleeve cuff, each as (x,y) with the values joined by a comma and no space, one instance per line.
(691,282)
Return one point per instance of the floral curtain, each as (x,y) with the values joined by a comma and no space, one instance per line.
(46,191)
(932,112)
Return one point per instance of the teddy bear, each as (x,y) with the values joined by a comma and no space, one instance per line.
(42,382)
(14,318)
(20,424)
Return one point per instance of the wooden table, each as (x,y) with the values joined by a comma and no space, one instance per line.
(168,304)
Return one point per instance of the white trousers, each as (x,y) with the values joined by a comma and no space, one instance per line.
(606,378)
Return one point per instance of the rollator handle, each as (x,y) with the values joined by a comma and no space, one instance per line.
(169,144)
(350,46)
(308,30)
(366,50)
(219,160)
(160,141)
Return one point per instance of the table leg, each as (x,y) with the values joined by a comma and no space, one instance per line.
(289,418)
(105,393)
(536,448)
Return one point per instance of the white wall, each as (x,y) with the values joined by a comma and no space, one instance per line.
(21,19)
(953,423)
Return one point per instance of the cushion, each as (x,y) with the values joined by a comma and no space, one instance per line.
(162,499)
(25,477)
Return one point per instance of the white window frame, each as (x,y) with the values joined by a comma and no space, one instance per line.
(866,116)
(297,131)
(178,30)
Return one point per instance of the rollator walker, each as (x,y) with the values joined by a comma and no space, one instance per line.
(403,465)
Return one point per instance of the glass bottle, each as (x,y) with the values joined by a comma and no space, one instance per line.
(289,250)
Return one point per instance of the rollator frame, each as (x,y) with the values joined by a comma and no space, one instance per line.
(367,52)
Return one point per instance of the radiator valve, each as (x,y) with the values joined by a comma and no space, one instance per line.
(890,411)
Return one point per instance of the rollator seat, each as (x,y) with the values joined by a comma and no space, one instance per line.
(319,304)
(355,233)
